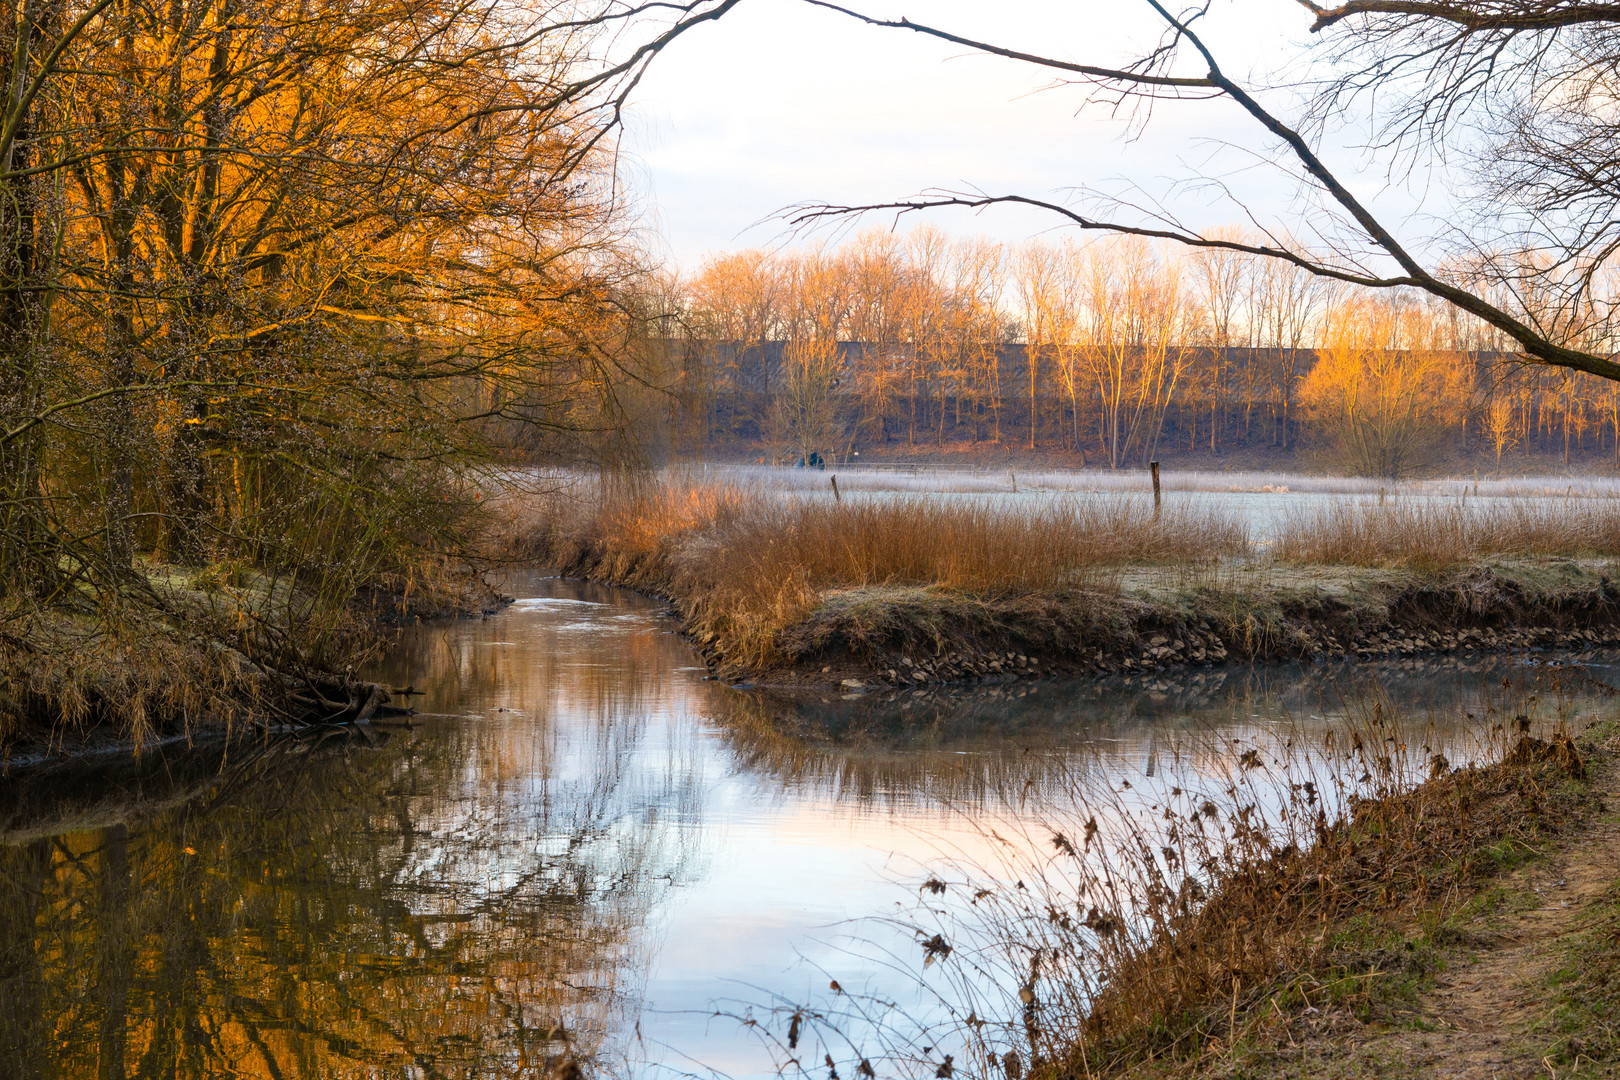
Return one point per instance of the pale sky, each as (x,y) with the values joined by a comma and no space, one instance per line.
(780,103)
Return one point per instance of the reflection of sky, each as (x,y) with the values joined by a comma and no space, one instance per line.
(763,846)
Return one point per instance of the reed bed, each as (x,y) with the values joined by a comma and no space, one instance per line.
(972,546)
(746,562)
(743,562)
(1431,534)
(957,544)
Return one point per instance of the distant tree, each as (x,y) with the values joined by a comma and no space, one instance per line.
(1289,300)
(1382,396)
(1134,342)
(875,324)
(736,304)
(1038,271)
(1499,424)
(807,415)
(1224,277)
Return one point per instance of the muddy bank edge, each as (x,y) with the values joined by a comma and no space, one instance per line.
(897,636)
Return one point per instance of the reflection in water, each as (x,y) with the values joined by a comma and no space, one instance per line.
(972,747)
(578,847)
(462,902)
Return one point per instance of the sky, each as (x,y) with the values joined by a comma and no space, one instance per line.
(780,103)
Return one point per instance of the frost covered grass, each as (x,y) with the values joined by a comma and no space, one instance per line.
(933,479)
(966,529)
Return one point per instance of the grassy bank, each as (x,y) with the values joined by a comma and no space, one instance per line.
(212,650)
(904,591)
(1303,952)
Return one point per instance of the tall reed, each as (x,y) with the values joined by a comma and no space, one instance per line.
(951,542)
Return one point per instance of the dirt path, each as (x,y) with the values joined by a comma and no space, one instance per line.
(1486,1016)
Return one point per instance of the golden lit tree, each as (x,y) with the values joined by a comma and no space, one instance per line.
(808,416)
(286,277)
(1380,389)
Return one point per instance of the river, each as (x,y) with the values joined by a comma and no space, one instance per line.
(582,843)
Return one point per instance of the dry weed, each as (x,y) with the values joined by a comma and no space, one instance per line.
(1255,882)
(1207,906)
(62,677)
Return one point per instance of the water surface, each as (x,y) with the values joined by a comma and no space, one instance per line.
(583,844)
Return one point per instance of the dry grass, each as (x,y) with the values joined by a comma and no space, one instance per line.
(746,563)
(64,680)
(953,543)
(1429,534)
(972,546)
(1311,914)
(212,649)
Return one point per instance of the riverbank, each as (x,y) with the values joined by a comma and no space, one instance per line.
(578,714)
(1466,928)
(898,637)
(905,592)
(203,654)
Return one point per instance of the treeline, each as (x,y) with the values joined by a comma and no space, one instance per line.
(275,280)
(1114,351)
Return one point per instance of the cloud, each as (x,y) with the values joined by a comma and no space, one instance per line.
(780,103)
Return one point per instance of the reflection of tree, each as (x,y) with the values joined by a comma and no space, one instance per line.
(463,905)
(471,899)
(991,746)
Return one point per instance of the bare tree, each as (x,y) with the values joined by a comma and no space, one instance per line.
(1525,73)
(877,277)
(807,414)
(1135,308)
(1382,390)
(1038,272)
(1288,301)
(278,282)
(1224,276)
